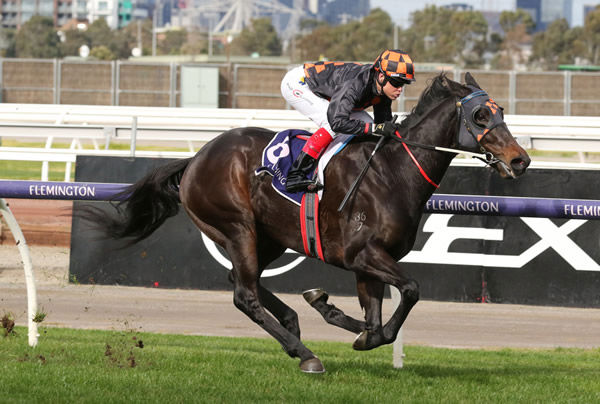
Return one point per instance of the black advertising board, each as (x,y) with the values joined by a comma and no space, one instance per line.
(455,258)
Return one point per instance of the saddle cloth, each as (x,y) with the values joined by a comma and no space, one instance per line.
(279,155)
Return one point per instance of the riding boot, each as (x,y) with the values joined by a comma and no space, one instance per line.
(297,178)
(305,162)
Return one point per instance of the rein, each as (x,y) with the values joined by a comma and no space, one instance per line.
(486,157)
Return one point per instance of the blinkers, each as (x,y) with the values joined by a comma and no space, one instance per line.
(477,115)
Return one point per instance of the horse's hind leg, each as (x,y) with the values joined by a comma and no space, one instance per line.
(370,295)
(242,251)
(269,251)
(286,316)
(317,298)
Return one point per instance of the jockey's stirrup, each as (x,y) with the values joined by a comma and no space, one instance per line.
(297,179)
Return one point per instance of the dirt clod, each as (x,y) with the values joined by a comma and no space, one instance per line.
(8,325)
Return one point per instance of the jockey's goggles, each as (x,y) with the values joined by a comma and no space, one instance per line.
(397,83)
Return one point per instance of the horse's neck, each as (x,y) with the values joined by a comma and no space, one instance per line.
(438,128)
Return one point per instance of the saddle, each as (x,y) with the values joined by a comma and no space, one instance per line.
(279,155)
(277,159)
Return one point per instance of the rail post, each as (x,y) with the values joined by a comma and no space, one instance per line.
(28,268)
(398,353)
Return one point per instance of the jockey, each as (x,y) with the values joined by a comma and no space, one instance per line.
(334,95)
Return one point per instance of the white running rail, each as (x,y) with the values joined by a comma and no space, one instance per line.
(28,268)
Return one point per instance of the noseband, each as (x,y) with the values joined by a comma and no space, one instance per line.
(468,136)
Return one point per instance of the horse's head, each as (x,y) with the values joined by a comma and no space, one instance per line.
(481,128)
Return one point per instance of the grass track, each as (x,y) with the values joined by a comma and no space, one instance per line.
(31,170)
(75,366)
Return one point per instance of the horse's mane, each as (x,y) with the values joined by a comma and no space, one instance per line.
(432,95)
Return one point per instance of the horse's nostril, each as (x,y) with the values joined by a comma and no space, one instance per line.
(519,164)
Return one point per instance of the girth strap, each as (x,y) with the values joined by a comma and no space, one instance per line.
(309,225)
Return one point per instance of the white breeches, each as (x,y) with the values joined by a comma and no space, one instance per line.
(298,95)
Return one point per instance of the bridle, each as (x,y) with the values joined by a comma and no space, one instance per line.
(468,136)
(469,133)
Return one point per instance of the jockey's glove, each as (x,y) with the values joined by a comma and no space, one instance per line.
(385,129)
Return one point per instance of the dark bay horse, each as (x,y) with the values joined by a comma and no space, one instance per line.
(241,212)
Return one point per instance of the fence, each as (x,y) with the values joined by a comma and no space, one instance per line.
(439,203)
(102,125)
(123,83)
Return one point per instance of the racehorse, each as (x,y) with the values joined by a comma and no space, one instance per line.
(241,212)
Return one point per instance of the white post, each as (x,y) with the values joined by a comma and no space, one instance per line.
(28,267)
(45,166)
(75,144)
(398,354)
(133,139)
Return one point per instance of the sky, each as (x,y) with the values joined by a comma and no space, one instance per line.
(400,10)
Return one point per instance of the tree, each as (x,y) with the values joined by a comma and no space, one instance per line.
(130,31)
(122,43)
(557,45)
(118,42)
(470,29)
(7,38)
(370,36)
(429,36)
(354,41)
(99,33)
(196,44)
(37,38)
(317,44)
(439,34)
(509,20)
(311,24)
(261,38)
(74,39)
(591,36)
(102,53)
(173,42)
(517,26)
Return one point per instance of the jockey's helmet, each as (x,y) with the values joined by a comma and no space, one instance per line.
(396,65)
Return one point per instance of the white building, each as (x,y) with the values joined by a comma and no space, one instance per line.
(107,9)
(579,10)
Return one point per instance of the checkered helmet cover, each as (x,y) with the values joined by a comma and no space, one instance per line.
(395,63)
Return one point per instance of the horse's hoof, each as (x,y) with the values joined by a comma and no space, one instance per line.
(360,342)
(368,340)
(312,365)
(312,295)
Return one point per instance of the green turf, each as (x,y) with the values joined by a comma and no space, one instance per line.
(31,170)
(97,366)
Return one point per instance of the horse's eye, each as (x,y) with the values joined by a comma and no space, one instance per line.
(482,117)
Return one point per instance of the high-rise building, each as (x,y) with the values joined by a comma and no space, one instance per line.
(15,13)
(106,9)
(119,13)
(130,10)
(544,12)
(580,9)
(343,11)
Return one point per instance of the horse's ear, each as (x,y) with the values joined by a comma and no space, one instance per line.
(451,85)
(470,80)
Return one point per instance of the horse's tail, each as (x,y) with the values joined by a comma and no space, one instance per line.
(143,206)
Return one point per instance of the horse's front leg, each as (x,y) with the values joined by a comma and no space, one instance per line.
(375,268)
(370,296)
